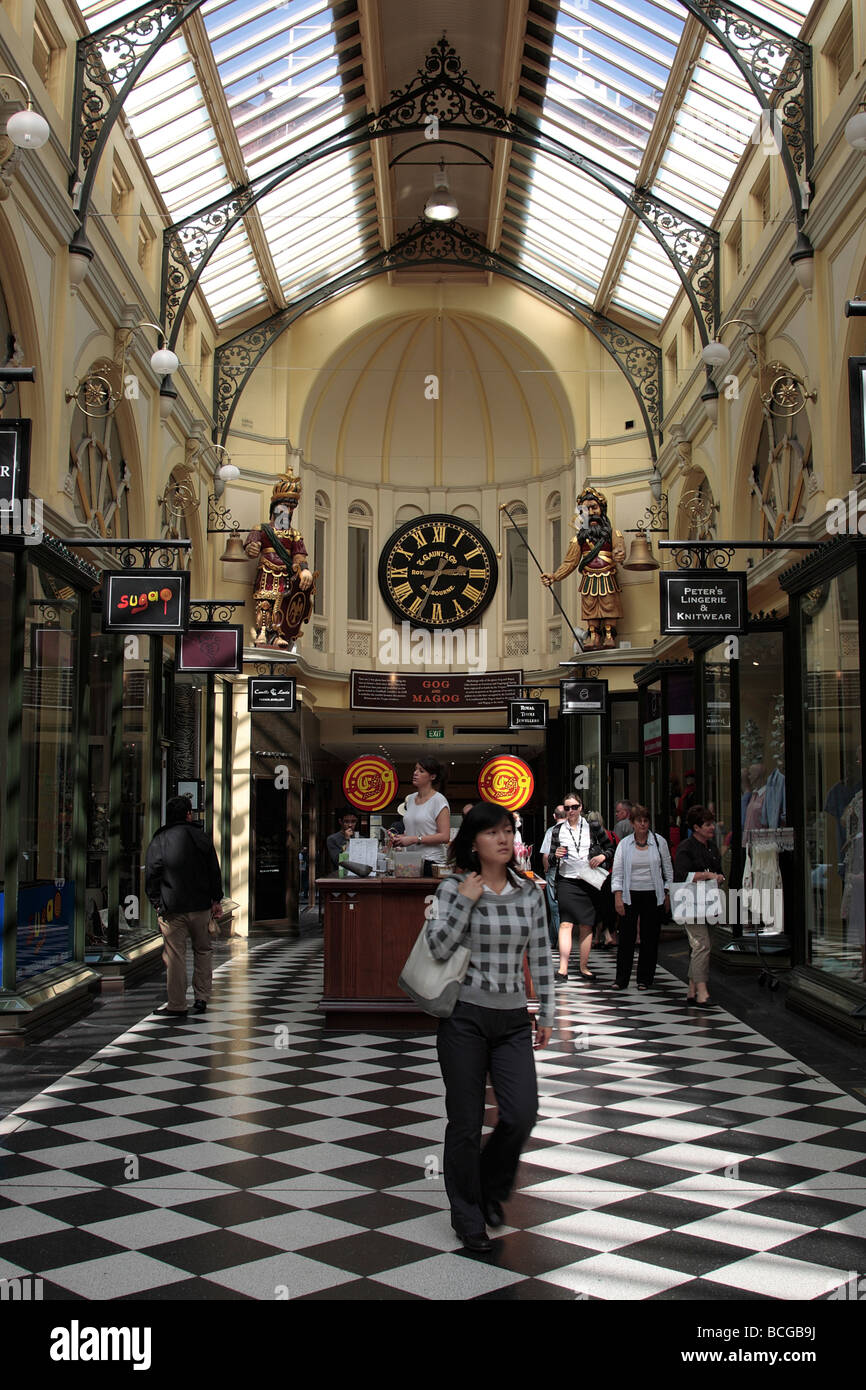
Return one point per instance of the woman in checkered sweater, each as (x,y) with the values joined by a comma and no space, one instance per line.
(500,916)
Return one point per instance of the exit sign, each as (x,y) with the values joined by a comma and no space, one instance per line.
(435,733)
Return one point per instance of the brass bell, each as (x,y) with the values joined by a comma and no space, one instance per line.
(641,556)
(234,552)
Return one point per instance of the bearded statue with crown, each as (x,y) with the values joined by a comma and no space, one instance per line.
(595,553)
(284,587)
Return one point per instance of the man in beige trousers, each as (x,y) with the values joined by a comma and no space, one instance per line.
(184,883)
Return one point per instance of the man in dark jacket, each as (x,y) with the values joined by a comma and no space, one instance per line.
(184,883)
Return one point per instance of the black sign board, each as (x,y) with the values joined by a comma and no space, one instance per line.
(216,648)
(582,697)
(406,690)
(154,601)
(527,714)
(270,693)
(703,601)
(14,460)
(857,396)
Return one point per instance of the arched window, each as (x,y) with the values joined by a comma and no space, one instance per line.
(782,471)
(358,562)
(98,480)
(516,567)
(320,541)
(407,513)
(553,512)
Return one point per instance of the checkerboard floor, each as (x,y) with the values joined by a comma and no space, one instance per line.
(250,1154)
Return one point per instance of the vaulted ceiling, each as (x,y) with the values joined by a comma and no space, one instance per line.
(636,87)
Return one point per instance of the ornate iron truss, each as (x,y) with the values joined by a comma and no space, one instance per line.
(424,244)
(443,91)
(98,99)
(752,44)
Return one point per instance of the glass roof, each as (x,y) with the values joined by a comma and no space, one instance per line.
(594,75)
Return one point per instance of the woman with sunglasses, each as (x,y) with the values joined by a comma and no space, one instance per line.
(576,847)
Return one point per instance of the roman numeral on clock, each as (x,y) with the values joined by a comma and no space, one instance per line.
(402,592)
(472,593)
(439,533)
(419,536)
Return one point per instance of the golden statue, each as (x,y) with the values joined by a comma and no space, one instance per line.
(595,552)
(284,586)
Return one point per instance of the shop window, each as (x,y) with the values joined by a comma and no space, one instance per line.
(834,780)
(47,884)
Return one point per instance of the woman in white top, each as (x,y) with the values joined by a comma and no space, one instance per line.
(640,883)
(427,822)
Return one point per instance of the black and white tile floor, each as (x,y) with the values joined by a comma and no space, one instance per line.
(250,1154)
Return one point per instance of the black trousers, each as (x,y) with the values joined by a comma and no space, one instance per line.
(643,908)
(471,1043)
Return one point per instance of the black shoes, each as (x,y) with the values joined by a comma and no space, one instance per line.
(166,1012)
(200,1006)
(475,1240)
(493,1213)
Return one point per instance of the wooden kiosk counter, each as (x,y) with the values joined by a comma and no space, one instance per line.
(371,925)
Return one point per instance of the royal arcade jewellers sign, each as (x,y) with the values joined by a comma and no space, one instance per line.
(703,601)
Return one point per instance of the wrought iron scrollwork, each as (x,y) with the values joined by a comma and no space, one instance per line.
(655,518)
(265,668)
(702,555)
(187,244)
(211,611)
(780,66)
(148,556)
(107,65)
(442,90)
(694,248)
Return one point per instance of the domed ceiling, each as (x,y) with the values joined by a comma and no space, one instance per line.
(438,398)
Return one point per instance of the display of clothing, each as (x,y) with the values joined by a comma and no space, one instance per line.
(762,877)
(774,800)
(754,813)
(838,798)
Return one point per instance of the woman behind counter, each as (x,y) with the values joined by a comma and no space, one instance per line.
(500,916)
(427,822)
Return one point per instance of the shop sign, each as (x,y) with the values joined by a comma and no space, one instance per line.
(217,648)
(402,691)
(45,917)
(652,737)
(857,396)
(528,714)
(154,601)
(699,601)
(582,697)
(370,783)
(14,461)
(718,716)
(271,694)
(506,780)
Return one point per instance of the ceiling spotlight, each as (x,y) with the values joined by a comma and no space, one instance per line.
(441,206)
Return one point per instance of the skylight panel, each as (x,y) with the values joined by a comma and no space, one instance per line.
(648,283)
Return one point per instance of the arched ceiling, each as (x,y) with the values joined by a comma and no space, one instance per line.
(437,398)
(637,86)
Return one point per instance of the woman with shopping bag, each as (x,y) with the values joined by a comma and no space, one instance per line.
(698,860)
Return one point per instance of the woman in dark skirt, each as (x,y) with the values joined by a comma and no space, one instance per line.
(575,847)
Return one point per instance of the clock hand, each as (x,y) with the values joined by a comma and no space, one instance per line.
(430,586)
(444,574)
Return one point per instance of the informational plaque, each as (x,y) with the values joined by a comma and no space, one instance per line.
(271,694)
(407,691)
(154,601)
(217,648)
(14,460)
(528,714)
(582,697)
(703,601)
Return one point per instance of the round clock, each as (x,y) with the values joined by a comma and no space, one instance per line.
(438,571)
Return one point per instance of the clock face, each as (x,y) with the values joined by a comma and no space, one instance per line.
(438,571)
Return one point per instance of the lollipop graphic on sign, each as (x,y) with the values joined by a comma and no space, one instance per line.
(370,783)
(506,780)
